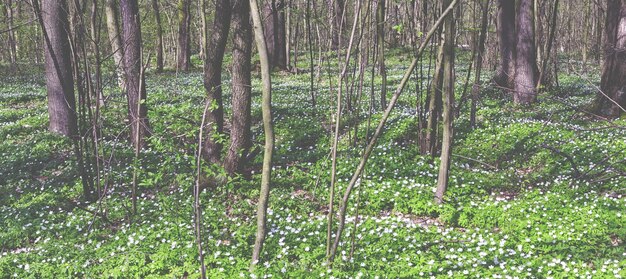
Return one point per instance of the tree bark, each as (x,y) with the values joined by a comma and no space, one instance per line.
(275,34)
(448,105)
(478,60)
(58,64)
(11,33)
(435,103)
(213,80)
(380,31)
(506,38)
(184,46)
(135,81)
(266,106)
(240,134)
(159,34)
(611,101)
(115,39)
(525,58)
(336,6)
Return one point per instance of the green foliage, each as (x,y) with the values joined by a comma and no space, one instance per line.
(516,205)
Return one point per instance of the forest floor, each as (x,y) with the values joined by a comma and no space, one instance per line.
(534,191)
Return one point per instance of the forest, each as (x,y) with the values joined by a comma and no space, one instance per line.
(313,139)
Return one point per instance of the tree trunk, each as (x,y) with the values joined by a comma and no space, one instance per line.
(611,101)
(59,76)
(213,80)
(11,33)
(435,103)
(478,62)
(380,31)
(525,60)
(274,30)
(95,40)
(159,34)
(506,37)
(240,134)
(336,13)
(115,39)
(184,46)
(448,105)
(135,81)
(268,129)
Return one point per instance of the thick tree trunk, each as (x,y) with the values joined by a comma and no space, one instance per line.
(59,76)
(611,101)
(135,81)
(506,38)
(213,80)
(275,34)
(448,105)
(184,46)
(240,134)
(115,38)
(159,34)
(525,60)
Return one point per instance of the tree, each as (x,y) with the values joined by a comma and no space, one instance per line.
(213,79)
(135,81)
(159,34)
(240,134)
(611,101)
(184,47)
(380,32)
(479,46)
(337,7)
(525,78)
(268,129)
(275,34)
(448,104)
(506,38)
(8,5)
(115,39)
(58,64)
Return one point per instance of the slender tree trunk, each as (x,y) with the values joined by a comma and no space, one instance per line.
(213,80)
(525,59)
(268,129)
(240,134)
(159,34)
(586,33)
(611,101)
(288,36)
(435,103)
(59,75)
(380,30)
(549,44)
(135,82)
(12,41)
(184,46)
(506,37)
(448,105)
(95,40)
(115,39)
(478,62)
